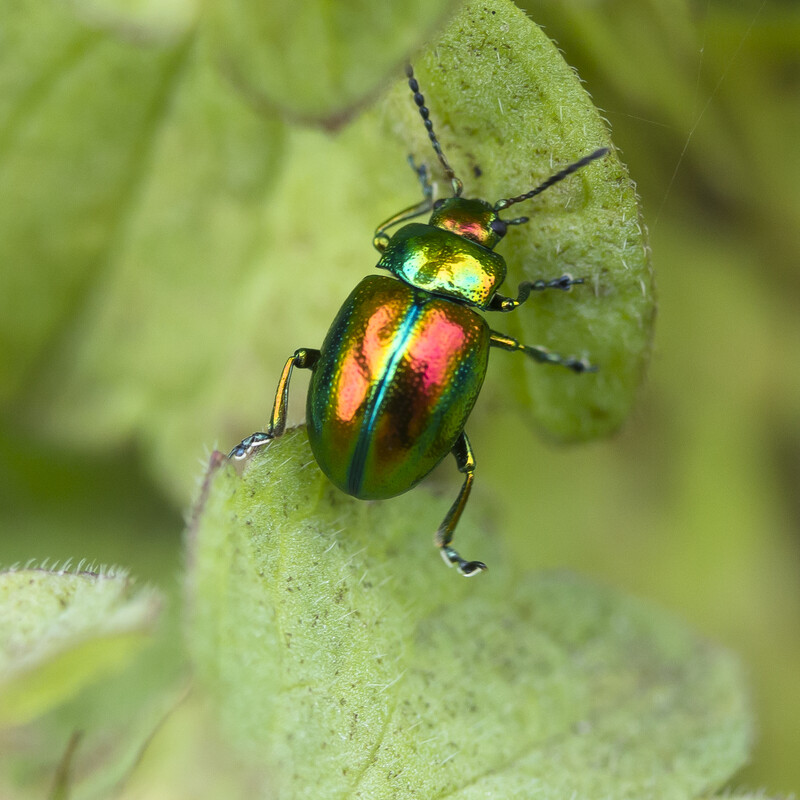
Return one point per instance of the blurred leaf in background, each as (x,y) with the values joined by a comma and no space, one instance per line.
(60,630)
(704,100)
(167,238)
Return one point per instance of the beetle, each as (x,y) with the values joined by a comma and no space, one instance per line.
(401,367)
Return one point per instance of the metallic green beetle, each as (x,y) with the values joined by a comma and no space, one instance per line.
(401,367)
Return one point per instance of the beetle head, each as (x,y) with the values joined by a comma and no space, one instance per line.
(471,218)
(476,219)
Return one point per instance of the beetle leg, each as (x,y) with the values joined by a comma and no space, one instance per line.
(444,536)
(540,354)
(305,358)
(381,237)
(424,177)
(500,303)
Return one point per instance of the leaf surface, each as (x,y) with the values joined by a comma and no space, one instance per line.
(344,654)
(59,631)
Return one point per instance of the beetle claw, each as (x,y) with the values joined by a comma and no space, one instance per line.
(466,568)
(470,568)
(580,365)
(249,444)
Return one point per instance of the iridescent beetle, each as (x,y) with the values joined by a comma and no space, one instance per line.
(404,360)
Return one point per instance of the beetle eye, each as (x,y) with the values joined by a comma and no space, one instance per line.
(498,226)
(438,204)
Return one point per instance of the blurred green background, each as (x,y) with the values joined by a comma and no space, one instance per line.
(696,503)
(152,284)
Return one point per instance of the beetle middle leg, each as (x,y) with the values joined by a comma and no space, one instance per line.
(444,536)
(564,283)
(305,358)
(540,354)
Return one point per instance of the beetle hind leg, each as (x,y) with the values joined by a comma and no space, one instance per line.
(305,358)
(540,354)
(249,444)
(444,536)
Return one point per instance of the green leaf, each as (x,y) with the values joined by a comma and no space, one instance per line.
(318,59)
(510,113)
(77,113)
(345,656)
(134,181)
(148,20)
(748,796)
(59,631)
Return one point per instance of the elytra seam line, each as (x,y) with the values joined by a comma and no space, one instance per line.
(355,472)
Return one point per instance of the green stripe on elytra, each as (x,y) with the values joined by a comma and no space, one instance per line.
(355,472)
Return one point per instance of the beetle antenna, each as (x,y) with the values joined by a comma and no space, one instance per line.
(419,99)
(559,176)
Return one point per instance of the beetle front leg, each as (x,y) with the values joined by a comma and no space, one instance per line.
(540,354)
(444,536)
(424,177)
(305,358)
(565,283)
(381,237)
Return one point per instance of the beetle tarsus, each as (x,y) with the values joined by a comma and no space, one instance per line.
(466,568)
(423,176)
(579,365)
(544,356)
(563,282)
(249,444)
(540,354)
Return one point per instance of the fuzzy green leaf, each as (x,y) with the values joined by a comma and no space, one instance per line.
(60,630)
(347,657)
(748,796)
(511,112)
